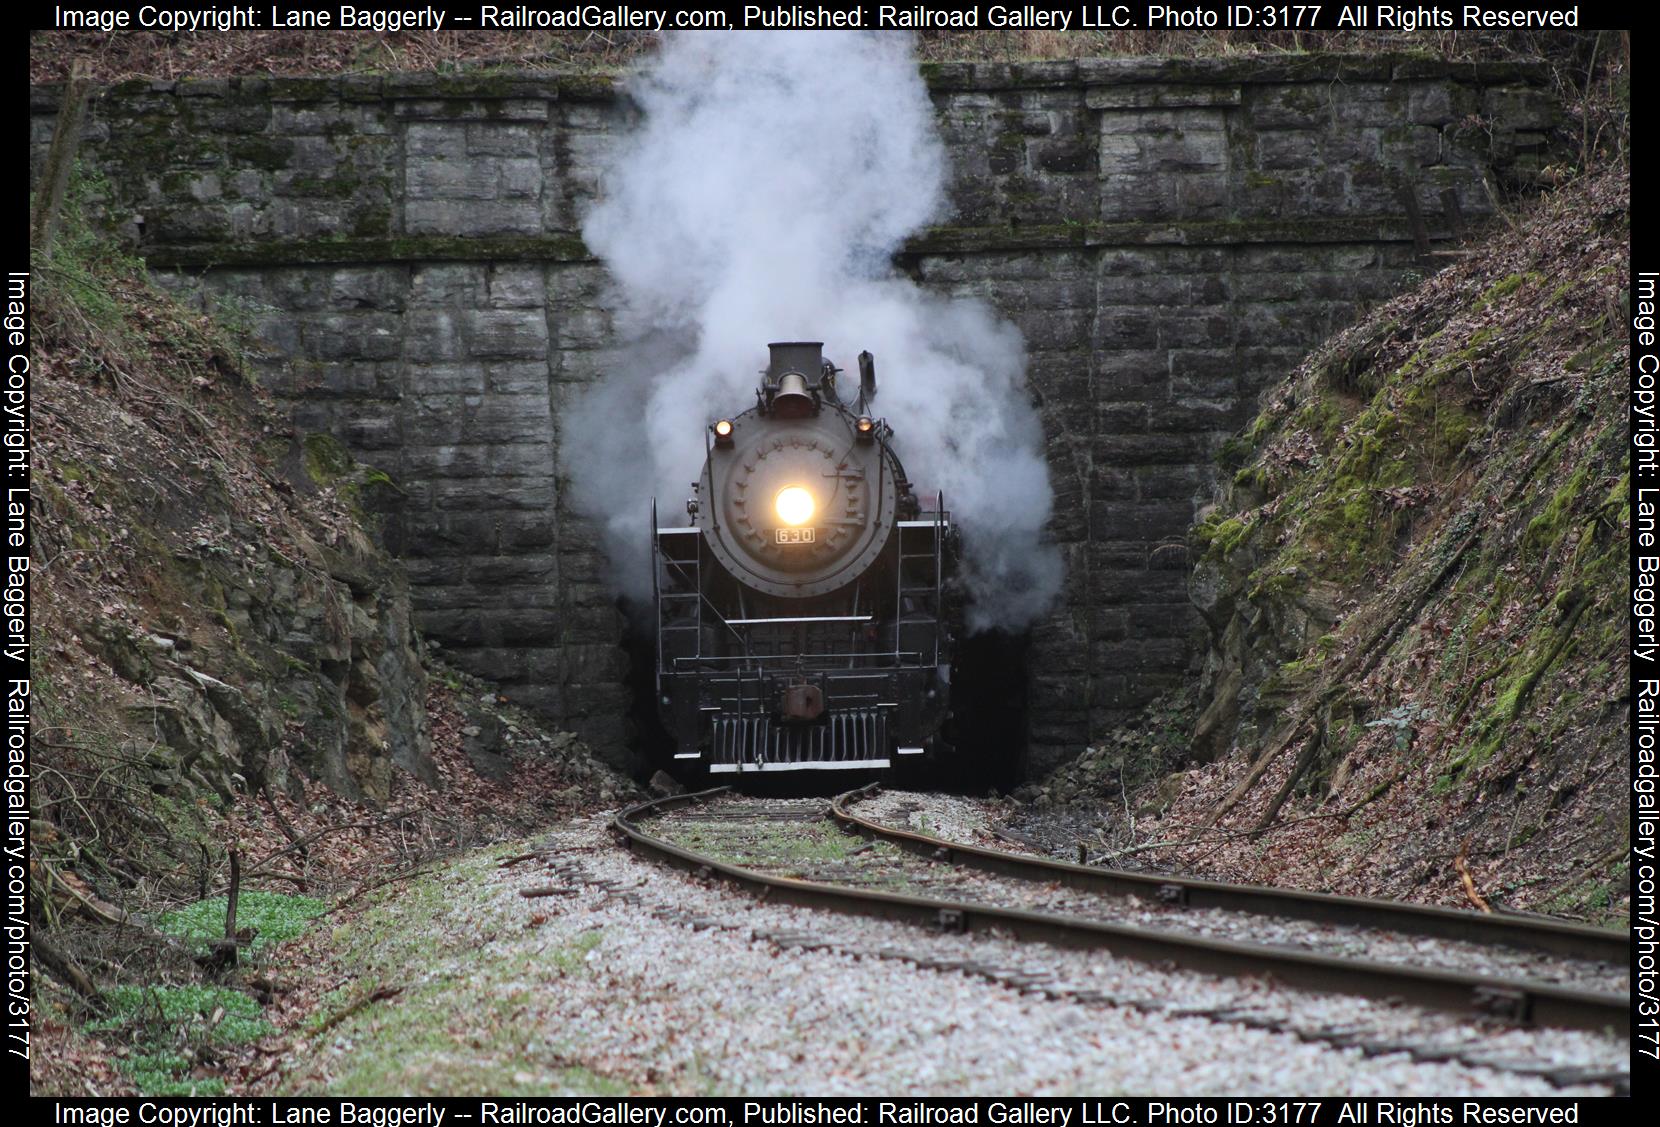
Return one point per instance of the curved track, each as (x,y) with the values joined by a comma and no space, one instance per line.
(1521,1001)
(1533,933)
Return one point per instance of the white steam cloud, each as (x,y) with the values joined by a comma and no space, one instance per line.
(761,199)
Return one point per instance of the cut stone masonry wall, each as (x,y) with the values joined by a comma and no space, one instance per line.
(1168,234)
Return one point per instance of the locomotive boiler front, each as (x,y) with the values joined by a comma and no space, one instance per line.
(794,500)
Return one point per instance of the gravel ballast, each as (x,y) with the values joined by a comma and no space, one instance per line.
(642,979)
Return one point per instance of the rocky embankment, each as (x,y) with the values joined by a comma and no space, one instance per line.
(209,607)
(1414,587)
(224,669)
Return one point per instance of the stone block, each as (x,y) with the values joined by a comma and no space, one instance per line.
(472,217)
(308,219)
(1203,195)
(351,380)
(1123,329)
(1061,156)
(522,569)
(1194,415)
(1140,654)
(1148,449)
(366,287)
(434,336)
(584,327)
(458,460)
(1135,196)
(353,336)
(1195,327)
(1161,96)
(1121,417)
(524,531)
(1409,147)
(1285,149)
(452,180)
(1187,151)
(506,334)
(516,287)
(367,428)
(1109,624)
(1129,376)
(1138,520)
(444,379)
(425,142)
(504,493)
(447,284)
(519,178)
(1144,289)
(490,140)
(1521,107)
(1169,482)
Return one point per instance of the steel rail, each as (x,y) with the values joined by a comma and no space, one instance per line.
(1555,936)
(1522,1001)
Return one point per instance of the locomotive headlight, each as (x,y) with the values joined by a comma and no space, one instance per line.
(794,505)
(723,432)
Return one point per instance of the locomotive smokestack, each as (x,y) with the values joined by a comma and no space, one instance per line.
(867,378)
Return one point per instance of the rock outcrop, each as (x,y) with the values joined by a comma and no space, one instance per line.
(208,599)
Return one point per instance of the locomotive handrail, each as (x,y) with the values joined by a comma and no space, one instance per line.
(793,621)
(793,658)
(703,600)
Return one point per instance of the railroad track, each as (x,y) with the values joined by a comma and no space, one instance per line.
(705,834)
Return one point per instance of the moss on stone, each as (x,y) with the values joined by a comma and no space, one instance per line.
(326,460)
(1220,535)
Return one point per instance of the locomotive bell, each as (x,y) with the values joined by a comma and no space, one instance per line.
(788,374)
(792,400)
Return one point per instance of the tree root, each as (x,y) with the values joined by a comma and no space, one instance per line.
(1315,741)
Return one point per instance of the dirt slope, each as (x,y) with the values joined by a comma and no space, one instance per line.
(1415,592)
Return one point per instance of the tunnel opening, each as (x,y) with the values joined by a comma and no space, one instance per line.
(650,743)
(990,721)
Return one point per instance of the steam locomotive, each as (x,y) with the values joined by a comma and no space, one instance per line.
(805,615)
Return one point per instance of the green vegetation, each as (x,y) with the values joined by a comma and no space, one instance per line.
(449,935)
(161,1019)
(87,274)
(787,847)
(273,916)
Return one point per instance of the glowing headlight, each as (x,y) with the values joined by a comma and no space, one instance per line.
(795,505)
(723,428)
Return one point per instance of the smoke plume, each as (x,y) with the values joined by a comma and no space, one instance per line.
(761,198)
